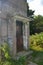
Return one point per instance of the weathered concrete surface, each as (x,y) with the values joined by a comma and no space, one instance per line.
(13,7)
(31,63)
(23,53)
(8,10)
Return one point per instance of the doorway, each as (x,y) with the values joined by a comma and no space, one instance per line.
(19,35)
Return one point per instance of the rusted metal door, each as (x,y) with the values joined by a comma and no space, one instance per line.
(19,35)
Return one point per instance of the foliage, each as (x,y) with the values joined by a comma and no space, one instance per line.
(30,13)
(36,42)
(37,57)
(21,61)
(8,60)
(39,23)
(5,49)
(36,45)
(36,26)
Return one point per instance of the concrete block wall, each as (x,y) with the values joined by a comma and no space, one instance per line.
(13,7)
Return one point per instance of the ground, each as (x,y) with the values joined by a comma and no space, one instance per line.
(36,58)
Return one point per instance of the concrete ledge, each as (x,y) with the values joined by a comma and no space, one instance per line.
(31,63)
(24,53)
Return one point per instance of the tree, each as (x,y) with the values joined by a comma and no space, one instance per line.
(30,13)
(37,25)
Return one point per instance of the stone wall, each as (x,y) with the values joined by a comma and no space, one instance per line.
(13,7)
(9,8)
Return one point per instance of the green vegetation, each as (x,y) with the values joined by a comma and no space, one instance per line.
(36,45)
(36,42)
(30,12)
(37,57)
(7,58)
(36,26)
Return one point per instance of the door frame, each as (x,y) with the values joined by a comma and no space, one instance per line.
(21,24)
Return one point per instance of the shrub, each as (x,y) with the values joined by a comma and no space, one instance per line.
(8,60)
(36,42)
(5,50)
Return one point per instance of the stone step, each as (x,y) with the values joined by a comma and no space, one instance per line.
(23,53)
(31,63)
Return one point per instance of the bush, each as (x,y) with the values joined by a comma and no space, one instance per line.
(8,60)
(5,50)
(36,42)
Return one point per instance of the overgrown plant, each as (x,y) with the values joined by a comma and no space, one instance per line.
(36,42)
(8,58)
(5,50)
